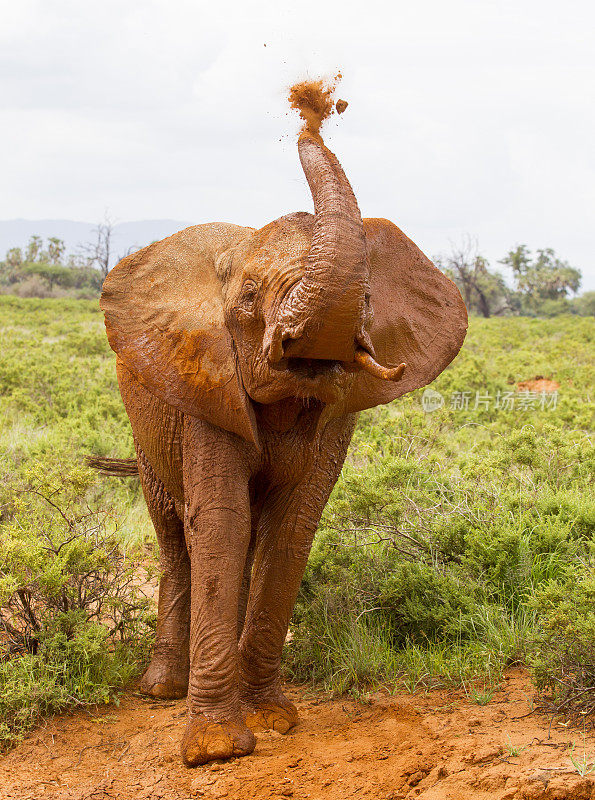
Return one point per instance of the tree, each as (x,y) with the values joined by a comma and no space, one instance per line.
(47,265)
(584,305)
(543,277)
(54,274)
(34,249)
(9,268)
(14,258)
(98,253)
(55,251)
(484,292)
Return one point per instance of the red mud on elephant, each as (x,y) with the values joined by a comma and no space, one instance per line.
(243,357)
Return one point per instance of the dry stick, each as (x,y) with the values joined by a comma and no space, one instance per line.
(124,751)
(88,747)
(525,715)
(574,696)
(368,611)
(69,522)
(391,529)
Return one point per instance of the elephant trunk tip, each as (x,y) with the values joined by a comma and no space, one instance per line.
(314,102)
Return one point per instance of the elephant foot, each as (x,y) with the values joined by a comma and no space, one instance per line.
(206,739)
(163,682)
(275,713)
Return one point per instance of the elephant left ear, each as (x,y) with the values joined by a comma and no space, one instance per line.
(164,318)
(419,316)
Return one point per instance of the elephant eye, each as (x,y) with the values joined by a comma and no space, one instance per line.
(248,294)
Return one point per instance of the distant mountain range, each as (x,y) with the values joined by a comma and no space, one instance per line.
(126,236)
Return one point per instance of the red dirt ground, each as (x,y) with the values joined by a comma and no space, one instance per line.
(434,746)
(538,384)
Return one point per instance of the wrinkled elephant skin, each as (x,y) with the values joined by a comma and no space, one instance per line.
(243,357)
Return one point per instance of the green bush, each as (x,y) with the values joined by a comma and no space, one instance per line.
(564,656)
(444,526)
(75,625)
(441,531)
(584,305)
(70,668)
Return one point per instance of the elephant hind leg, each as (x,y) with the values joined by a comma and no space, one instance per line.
(246,581)
(244,592)
(167,674)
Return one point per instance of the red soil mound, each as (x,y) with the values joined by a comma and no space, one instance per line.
(538,384)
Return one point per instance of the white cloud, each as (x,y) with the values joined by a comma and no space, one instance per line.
(463,117)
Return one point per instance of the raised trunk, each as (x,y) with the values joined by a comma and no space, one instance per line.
(323,316)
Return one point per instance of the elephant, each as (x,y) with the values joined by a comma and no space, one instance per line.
(243,359)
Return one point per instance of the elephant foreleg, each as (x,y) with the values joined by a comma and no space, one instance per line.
(217,527)
(287,525)
(167,674)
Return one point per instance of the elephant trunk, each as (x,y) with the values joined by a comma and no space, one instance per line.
(324,315)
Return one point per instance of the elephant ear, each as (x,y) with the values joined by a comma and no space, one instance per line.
(419,316)
(164,318)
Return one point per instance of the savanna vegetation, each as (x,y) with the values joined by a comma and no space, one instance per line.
(539,284)
(40,270)
(459,539)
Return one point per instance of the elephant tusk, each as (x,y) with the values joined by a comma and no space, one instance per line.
(366,362)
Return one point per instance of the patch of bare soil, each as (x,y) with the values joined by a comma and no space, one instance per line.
(538,384)
(435,746)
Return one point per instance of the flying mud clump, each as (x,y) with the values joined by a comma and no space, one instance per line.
(314,102)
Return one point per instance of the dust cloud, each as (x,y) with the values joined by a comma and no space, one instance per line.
(314,102)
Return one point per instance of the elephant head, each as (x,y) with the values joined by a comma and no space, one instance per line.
(327,307)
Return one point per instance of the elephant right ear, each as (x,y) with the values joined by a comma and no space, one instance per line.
(164,318)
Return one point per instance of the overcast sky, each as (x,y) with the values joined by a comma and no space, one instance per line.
(464,117)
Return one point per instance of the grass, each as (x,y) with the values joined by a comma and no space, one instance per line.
(585,765)
(444,552)
(74,630)
(513,751)
(482,697)
(445,530)
(59,399)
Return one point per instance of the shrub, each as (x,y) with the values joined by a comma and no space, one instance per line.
(74,622)
(74,668)
(442,528)
(584,305)
(438,534)
(32,286)
(564,657)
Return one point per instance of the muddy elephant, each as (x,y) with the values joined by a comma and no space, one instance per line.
(243,357)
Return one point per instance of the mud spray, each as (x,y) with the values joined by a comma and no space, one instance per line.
(314,102)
